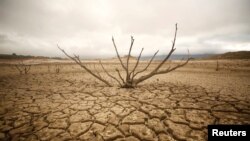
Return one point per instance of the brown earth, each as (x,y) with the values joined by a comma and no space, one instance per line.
(72,105)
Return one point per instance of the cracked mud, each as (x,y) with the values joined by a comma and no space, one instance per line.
(66,107)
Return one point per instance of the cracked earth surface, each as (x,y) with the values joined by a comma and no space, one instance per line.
(56,107)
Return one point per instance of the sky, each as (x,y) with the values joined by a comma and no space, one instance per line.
(86,27)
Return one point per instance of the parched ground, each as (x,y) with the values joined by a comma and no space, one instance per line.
(74,106)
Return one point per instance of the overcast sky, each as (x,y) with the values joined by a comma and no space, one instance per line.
(85,27)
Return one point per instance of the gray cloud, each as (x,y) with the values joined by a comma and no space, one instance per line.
(85,27)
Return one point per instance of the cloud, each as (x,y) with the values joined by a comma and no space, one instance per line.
(85,27)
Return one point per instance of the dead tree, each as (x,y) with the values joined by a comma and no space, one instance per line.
(22,68)
(57,69)
(131,81)
(217,66)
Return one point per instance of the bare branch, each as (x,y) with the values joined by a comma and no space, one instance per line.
(78,61)
(119,74)
(155,71)
(174,68)
(128,57)
(113,40)
(138,60)
(26,68)
(177,66)
(170,53)
(22,68)
(19,69)
(97,71)
(147,65)
(110,74)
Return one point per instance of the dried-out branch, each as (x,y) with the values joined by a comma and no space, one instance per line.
(119,74)
(174,68)
(137,62)
(110,74)
(147,65)
(155,71)
(21,67)
(97,71)
(170,53)
(27,68)
(117,54)
(128,57)
(77,60)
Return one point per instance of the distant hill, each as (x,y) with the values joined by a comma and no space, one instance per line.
(124,58)
(231,55)
(178,56)
(228,55)
(14,56)
(131,57)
